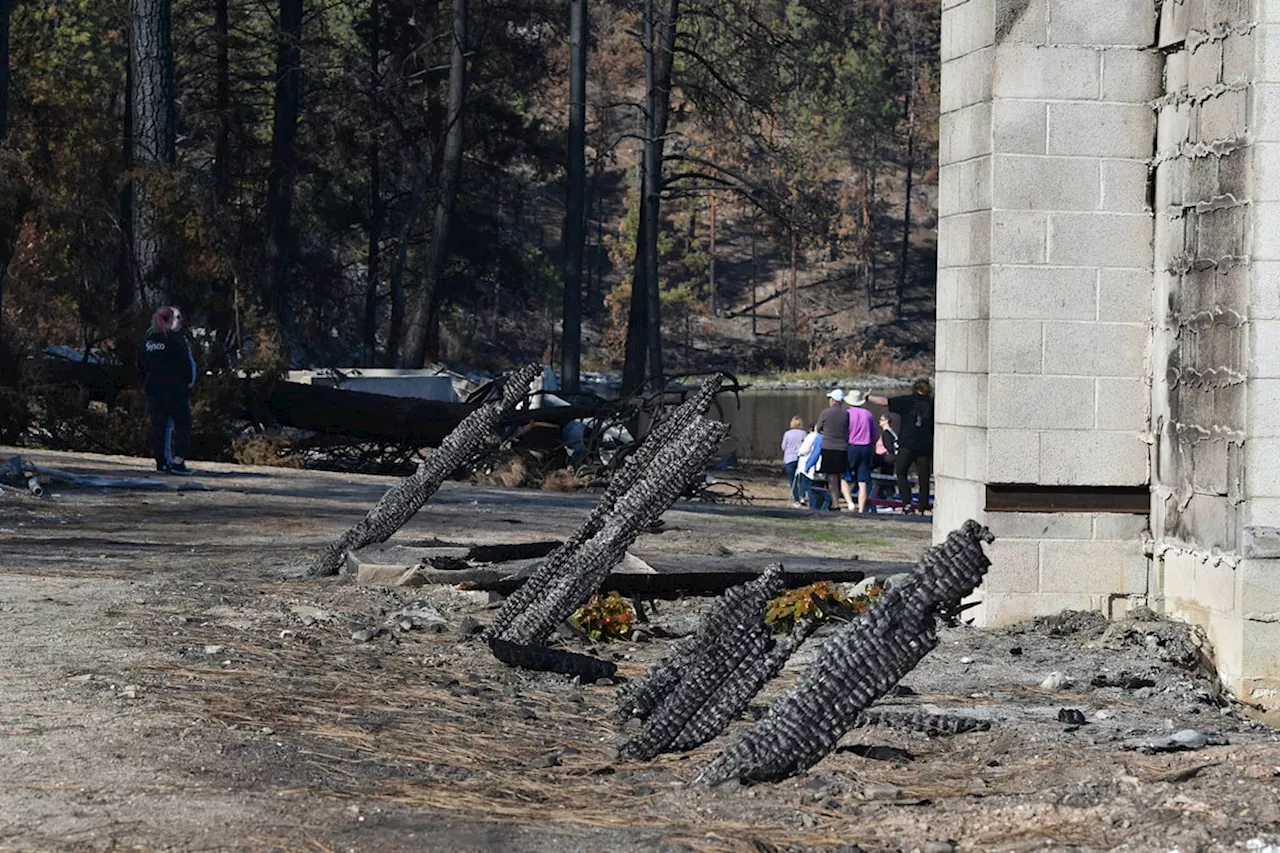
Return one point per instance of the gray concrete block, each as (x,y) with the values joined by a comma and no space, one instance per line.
(1132,75)
(965,187)
(1101,129)
(1013,455)
(975,454)
(1124,186)
(1175,22)
(1027,71)
(964,239)
(1097,568)
(1223,116)
(970,292)
(1045,183)
(1016,346)
(1015,566)
(1103,22)
(1018,237)
(967,80)
(1214,587)
(1093,458)
(1266,233)
(1040,525)
(1262,468)
(1100,239)
(1043,293)
(969,410)
(1265,303)
(1123,404)
(1019,127)
(1122,526)
(1223,232)
(1264,349)
(978,357)
(1173,128)
(948,445)
(970,30)
(965,133)
(1169,240)
(1124,296)
(1241,59)
(1175,71)
(952,345)
(1040,402)
(1096,349)
(1021,21)
(1265,185)
(1204,66)
(1259,581)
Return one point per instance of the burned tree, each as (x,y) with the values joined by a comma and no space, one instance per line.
(692,695)
(570,582)
(402,501)
(635,467)
(857,665)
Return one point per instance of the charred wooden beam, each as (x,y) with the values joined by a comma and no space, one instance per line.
(857,665)
(560,592)
(403,500)
(635,468)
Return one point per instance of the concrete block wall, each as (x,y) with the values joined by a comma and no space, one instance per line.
(1044,287)
(1216,391)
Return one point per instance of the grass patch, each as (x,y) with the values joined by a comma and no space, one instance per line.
(832,534)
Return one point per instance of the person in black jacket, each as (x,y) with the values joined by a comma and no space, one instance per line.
(168,372)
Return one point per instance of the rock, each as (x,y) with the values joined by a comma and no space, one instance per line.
(882,791)
(212,650)
(1055,681)
(634,724)
(550,759)
(966,660)
(267,730)
(1103,714)
(938,847)
(468,626)
(364,635)
(1071,716)
(610,753)
(526,714)
(604,682)
(129,691)
(1016,651)
(639,637)
(406,624)
(1186,739)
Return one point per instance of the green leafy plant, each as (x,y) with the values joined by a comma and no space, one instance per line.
(605,618)
(821,600)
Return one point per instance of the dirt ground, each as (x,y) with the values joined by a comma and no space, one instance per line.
(165,685)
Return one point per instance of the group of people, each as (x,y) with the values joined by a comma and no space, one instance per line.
(846,444)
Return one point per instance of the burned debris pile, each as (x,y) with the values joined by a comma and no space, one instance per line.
(857,665)
(403,500)
(649,482)
(707,681)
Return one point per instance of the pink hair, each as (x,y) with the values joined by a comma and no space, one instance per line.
(163,319)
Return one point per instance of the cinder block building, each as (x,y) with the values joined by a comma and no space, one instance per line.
(1108,349)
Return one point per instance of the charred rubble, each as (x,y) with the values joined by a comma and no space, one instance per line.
(857,665)
(402,501)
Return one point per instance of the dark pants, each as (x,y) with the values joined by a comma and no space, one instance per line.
(819,498)
(790,470)
(924,469)
(170,411)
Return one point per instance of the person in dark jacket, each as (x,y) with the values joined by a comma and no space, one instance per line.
(168,372)
(915,442)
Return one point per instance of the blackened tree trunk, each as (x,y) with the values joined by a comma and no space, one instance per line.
(222,103)
(422,339)
(5,6)
(659,59)
(284,158)
(151,58)
(374,268)
(906,212)
(395,330)
(637,347)
(125,290)
(575,208)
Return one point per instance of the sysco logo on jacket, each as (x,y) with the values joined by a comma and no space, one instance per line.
(154,346)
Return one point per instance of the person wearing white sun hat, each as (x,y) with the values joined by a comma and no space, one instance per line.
(862,439)
(833,426)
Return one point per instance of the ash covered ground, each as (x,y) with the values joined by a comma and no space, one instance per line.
(164,687)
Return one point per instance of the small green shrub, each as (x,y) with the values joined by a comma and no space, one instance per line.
(821,600)
(605,618)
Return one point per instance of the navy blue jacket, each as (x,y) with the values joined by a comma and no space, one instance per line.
(166,363)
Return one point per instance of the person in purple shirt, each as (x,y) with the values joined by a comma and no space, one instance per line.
(862,439)
(790,453)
